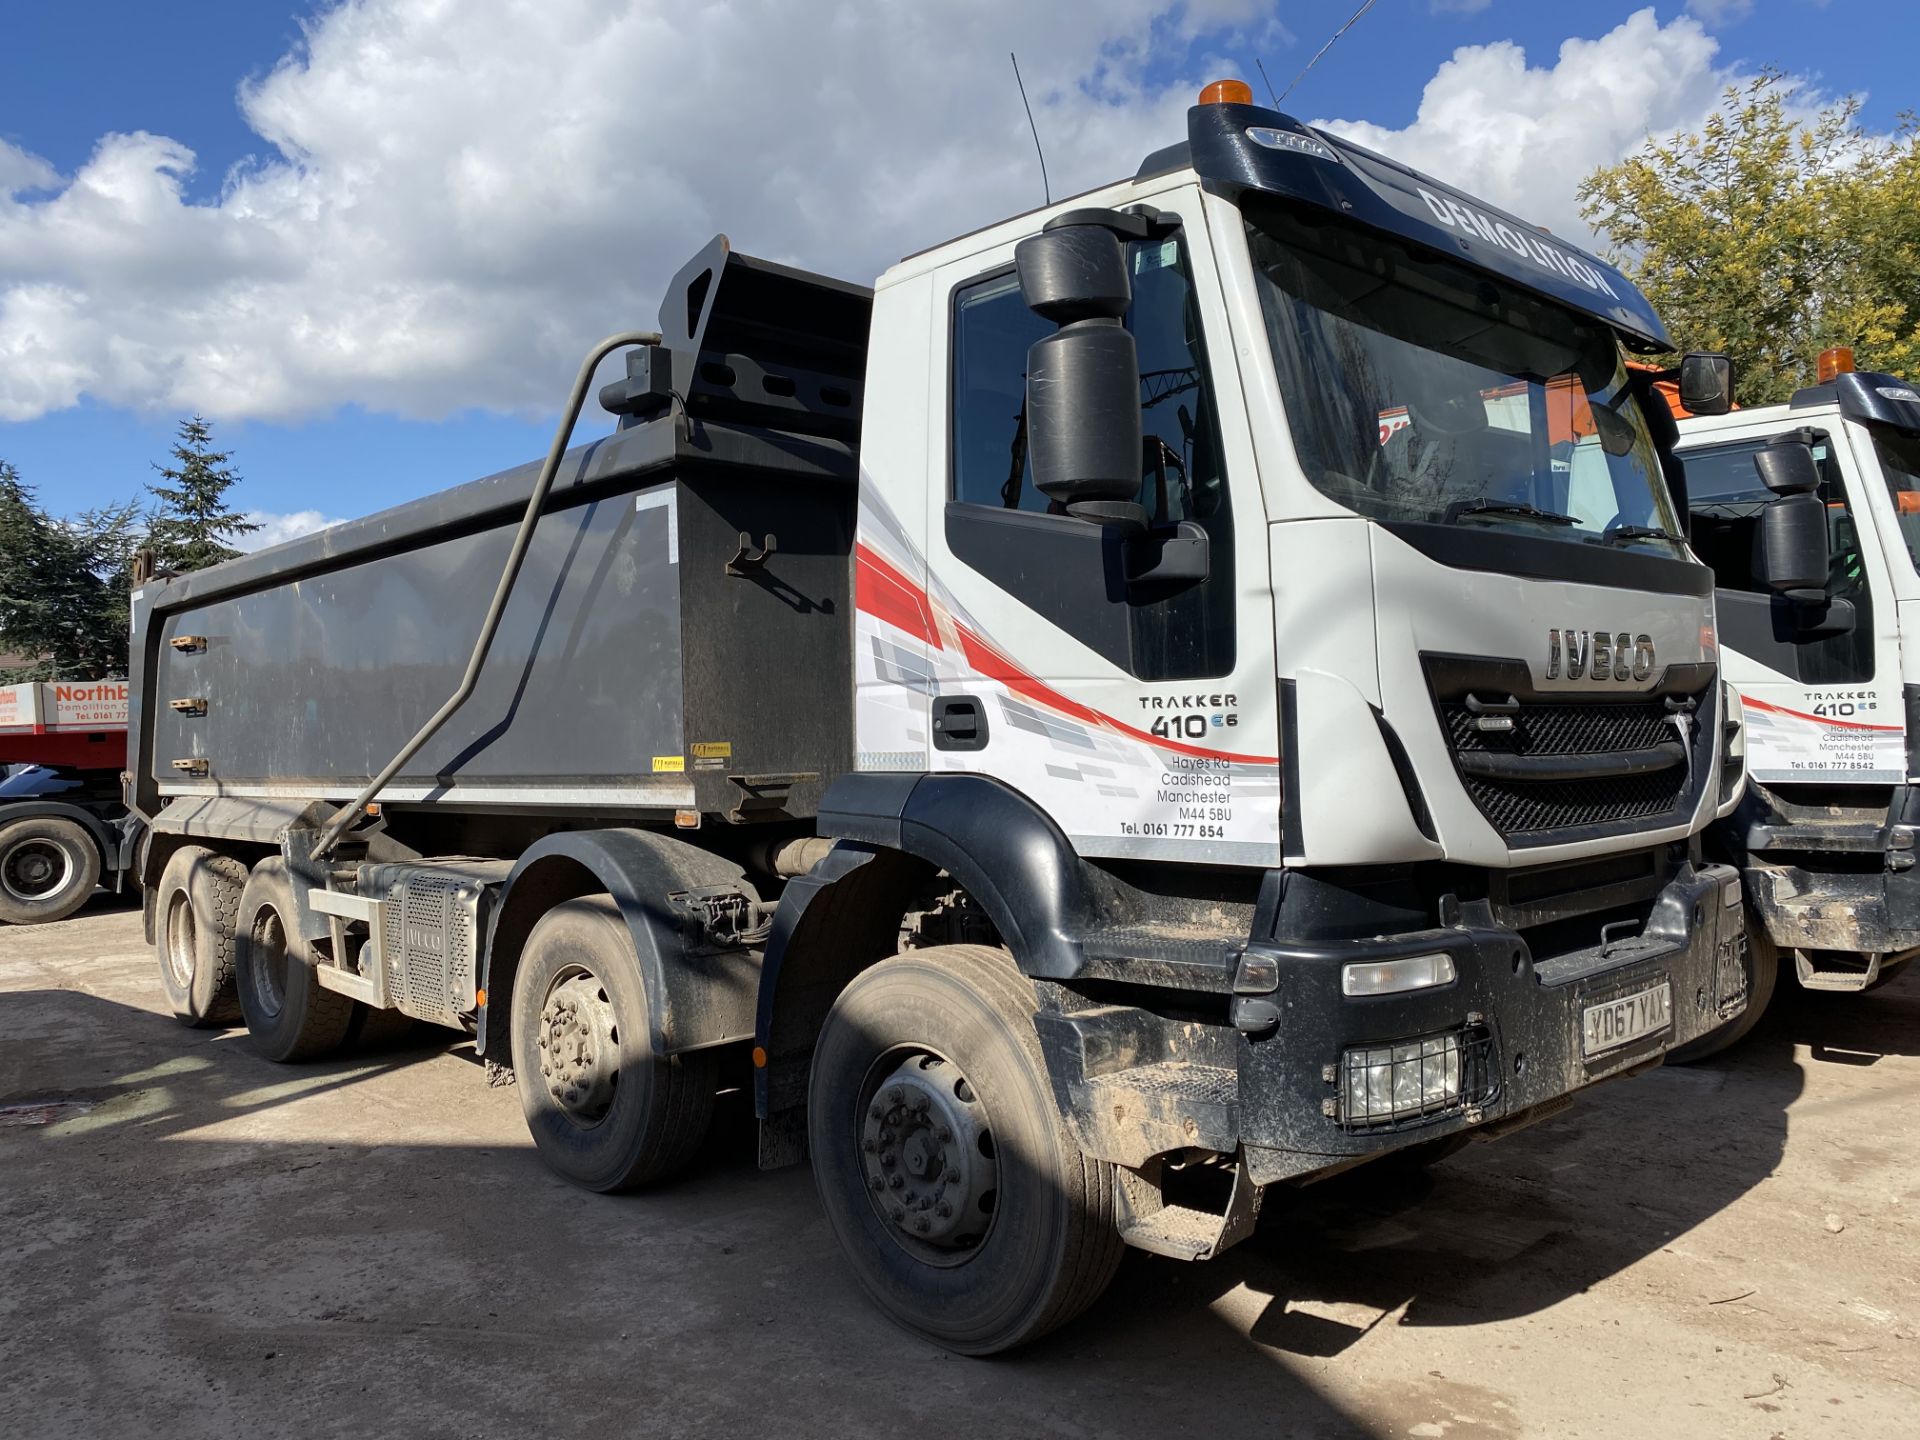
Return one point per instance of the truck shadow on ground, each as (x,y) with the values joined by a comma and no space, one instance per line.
(165,1249)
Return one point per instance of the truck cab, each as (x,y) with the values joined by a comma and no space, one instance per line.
(1825,835)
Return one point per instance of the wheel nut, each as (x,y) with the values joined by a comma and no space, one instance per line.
(897,1181)
(943,1210)
(887,1158)
(877,1111)
(898,1214)
(895,1094)
(876,1183)
(918,1104)
(869,1145)
(944,1134)
(921,1224)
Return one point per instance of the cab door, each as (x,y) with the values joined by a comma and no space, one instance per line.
(1141,716)
(1821,705)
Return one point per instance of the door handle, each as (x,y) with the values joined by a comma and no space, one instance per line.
(959,723)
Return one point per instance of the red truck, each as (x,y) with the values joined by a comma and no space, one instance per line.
(64,830)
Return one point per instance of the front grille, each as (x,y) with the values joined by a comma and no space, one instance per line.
(1594,762)
(1517,807)
(1559,729)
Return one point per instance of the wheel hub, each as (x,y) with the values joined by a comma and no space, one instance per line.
(35,868)
(927,1152)
(580,1048)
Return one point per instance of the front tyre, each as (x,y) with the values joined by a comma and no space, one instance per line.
(605,1110)
(962,1201)
(48,869)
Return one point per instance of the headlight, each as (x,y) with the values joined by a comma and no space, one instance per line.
(1386,1084)
(1391,977)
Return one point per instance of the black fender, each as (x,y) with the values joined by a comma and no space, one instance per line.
(893,832)
(700,994)
(1000,847)
(105,839)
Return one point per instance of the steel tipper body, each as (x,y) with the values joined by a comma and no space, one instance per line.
(1825,835)
(1141,706)
(64,830)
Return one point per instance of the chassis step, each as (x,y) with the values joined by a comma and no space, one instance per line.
(1843,971)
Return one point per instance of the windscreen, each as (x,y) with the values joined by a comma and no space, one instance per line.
(1899,454)
(1423,391)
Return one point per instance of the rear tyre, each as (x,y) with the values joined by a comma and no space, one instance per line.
(289,1015)
(48,869)
(605,1111)
(196,906)
(962,1201)
(1763,977)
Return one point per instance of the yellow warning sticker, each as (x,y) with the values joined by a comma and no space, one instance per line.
(666,764)
(712,749)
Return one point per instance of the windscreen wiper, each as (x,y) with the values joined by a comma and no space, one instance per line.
(1487,505)
(1618,533)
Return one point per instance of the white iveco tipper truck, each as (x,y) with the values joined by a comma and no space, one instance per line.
(1023,721)
(1809,514)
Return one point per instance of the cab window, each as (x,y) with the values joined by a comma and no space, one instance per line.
(1059,565)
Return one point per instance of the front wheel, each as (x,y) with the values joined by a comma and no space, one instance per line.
(962,1201)
(48,869)
(1763,975)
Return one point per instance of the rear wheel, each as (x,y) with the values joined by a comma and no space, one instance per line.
(290,1016)
(196,906)
(963,1203)
(48,869)
(604,1109)
(1763,976)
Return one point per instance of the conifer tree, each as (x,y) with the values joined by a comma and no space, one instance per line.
(191,528)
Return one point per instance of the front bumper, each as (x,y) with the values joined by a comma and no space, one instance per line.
(1271,1088)
(1520,1020)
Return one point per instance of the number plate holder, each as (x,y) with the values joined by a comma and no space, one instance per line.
(1616,1023)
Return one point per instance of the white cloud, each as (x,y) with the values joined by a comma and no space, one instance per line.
(278,529)
(457,196)
(1721,12)
(1524,136)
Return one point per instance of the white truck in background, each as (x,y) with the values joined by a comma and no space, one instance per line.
(1828,668)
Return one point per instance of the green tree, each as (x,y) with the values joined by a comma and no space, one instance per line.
(1773,234)
(63,586)
(191,528)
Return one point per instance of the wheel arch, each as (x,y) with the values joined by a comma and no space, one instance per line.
(699,996)
(893,833)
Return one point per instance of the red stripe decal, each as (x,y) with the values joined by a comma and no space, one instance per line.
(887,595)
(991,663)
(1820,719)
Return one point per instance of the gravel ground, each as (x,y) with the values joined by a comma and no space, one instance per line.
(196,1243)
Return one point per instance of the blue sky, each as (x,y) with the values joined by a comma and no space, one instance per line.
(297,353)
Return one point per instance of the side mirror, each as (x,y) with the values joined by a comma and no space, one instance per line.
(1792,538)
(1706,383)
(1083,381)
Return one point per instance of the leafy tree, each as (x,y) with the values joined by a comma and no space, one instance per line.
(191,528)
(63,586)
(1773,234)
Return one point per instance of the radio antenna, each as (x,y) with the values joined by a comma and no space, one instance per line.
(1351,19)
(1045,188)
(1261,66)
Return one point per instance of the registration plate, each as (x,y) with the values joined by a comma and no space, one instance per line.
(1614,1023)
